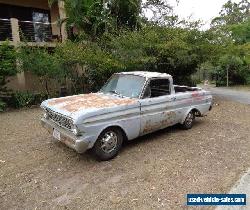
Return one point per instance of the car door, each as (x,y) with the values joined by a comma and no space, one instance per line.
(157,106)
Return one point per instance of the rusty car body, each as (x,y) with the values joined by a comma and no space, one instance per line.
(130,105)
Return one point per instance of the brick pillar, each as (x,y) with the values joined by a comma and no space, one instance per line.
(16,39)
(62,14)
(15,31)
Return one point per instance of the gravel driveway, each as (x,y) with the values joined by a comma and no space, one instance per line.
(155,171)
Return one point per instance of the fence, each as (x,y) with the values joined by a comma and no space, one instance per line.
(5,30)
(29,31)
(35,31)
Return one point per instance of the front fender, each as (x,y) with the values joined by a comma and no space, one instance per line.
(128,121)
(131,132)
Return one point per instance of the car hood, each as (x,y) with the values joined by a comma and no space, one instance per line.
(88,104)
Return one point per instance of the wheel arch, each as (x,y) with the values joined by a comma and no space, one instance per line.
(192,109)
(115,127)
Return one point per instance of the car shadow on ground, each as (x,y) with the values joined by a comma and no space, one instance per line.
(88,156)
(163,133)
(158,134)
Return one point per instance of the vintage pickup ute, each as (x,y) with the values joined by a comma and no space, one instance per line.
(129,105)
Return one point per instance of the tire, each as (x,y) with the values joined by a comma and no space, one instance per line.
(108,144)
(189,121)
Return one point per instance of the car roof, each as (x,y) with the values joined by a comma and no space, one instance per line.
(147,74)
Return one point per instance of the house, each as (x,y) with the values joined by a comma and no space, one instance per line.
(34,22)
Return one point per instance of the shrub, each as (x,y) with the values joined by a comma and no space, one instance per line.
(2,105)
(7,64)
(23,99)
(41,62)
(248,80)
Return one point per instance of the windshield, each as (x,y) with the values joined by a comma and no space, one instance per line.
(124,85)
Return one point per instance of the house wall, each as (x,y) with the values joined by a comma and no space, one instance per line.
(54,13)
(27,81)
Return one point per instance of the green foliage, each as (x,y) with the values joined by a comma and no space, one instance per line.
(39,61)
(86,64)
(232,29)
(126,13)
(205,71)
(2,105)
(236,67)
(95,17)
(23,99)
(42,63)
(232,13)
(170,50)
(7,68)
(7,63)
(241,32)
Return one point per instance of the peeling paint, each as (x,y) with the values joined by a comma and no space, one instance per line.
(197,96)
(92,100)
(167,120)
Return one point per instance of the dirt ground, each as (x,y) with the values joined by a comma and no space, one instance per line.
(155,171)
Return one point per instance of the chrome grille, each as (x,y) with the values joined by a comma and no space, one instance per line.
(59,119)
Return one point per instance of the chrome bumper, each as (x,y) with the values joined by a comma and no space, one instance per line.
(80,145)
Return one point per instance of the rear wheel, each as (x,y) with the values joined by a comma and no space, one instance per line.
(108,144)
(189,121)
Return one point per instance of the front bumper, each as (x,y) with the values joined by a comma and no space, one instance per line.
(79,144)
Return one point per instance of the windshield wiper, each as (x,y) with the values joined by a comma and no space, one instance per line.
(115,92)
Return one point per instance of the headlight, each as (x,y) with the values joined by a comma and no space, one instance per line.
(46,115)
(75,130)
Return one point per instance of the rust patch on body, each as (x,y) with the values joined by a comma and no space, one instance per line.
(63,100)
(168,119)
(86,101)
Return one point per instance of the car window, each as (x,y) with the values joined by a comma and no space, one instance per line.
(156,88)
(124,85)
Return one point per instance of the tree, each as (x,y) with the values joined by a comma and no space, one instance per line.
(232,29)
(87,65)
(176,51)
(241,32)
(95,17)
(125,13)
(161,9)
(236,68)
(232,13)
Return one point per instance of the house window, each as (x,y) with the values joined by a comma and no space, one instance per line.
(41,26)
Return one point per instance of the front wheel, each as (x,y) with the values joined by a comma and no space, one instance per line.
(189,121)
(108,144)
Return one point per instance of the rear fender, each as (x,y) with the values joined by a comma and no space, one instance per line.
(198,113)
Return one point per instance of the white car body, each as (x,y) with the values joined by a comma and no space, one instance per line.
(78,120)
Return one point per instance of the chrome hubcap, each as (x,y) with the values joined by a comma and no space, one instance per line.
(109,142)
(189,119)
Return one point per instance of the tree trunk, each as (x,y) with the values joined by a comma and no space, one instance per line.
(47,88)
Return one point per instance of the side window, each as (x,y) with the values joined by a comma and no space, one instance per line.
(147,92)
(158,87)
